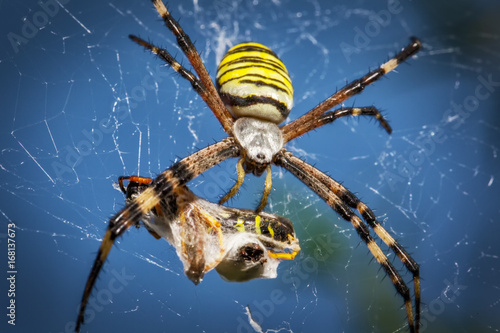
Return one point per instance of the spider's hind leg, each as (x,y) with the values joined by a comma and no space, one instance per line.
(343,202)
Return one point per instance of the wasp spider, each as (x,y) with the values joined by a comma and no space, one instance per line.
(252,96)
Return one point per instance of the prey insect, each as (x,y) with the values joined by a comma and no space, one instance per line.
(239,243)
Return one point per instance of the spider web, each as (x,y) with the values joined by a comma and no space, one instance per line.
(83,105)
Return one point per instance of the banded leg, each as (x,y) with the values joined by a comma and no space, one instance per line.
(196,83)
(306,122)
(371,111)
(163,186)
(341,200)
(354,202)
(214,102)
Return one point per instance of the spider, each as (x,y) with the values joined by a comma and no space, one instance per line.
(252,96)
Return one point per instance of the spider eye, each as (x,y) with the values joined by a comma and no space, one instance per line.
(253,82)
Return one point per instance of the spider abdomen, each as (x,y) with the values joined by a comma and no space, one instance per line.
(253,82)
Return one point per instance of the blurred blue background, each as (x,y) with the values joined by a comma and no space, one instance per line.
(83,105)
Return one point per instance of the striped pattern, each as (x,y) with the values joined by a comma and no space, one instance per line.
(253,82)
(308,121)
(200,230)
(274,231)
(165,185)
(275,227)
(343,202)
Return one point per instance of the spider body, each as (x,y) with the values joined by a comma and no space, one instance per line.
(255,95)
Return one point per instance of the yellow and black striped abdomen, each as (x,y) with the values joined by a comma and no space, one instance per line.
(253,82)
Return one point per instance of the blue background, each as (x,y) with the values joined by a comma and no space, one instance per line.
(83,105)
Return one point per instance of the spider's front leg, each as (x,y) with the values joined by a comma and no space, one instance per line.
(371,111)
(307,122)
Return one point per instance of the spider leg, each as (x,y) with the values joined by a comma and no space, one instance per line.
(196,83)
(237,185)
(342,200)
(331,116)
(164,185)
(106,244)
(241,177)
(307,122)
(213,101)
(267,189)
